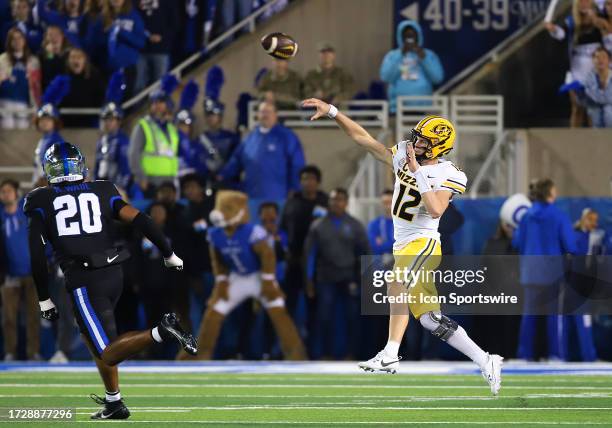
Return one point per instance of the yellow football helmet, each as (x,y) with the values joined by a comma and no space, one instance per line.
(438,132)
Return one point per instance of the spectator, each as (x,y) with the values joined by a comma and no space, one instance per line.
(301,209)
(328,82)
(543,236)
(18,290)
(219,143)
(380,230)
(583,278)
(93,33)
(271,157)
(19,81)
(233,11)
(190,37)
(192,155)
(86,88)
(112,161)
(597,92)
(333,246)
(154,143)
(583,38)
(161,22)
(53,54)
(281,86)
(69,18)
(410,69)
(268,218)
(125,38)
(604,23)
(22,18)
(196,220)
(48,123)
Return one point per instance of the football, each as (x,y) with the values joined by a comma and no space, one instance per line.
(279,45)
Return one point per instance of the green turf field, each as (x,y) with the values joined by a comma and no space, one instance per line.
(175,400)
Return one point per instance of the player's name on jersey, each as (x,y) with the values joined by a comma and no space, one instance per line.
(403,175)
(451,299)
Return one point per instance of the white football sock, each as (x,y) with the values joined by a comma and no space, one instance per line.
(156,336)
(392,348)
(462,343)
(113,396)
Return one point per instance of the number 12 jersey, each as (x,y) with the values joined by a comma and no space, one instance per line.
(410,217)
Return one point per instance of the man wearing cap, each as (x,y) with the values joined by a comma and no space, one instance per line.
(154,144)
(328,81)
(220,143)
(112,162)
(281,86)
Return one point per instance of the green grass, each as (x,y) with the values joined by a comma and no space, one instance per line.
(176,400)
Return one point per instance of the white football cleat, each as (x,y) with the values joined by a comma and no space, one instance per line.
(381,362)
(491,371)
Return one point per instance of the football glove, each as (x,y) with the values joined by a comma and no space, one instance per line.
(173,262)
(48,310)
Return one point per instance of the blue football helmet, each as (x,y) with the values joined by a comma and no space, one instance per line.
(64,162)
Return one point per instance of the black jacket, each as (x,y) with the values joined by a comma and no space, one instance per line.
(296,219)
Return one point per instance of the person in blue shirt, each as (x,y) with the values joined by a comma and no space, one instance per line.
(244,265)
(18,289)
(111,161)
(22,19)
(543,237)
(69,18)
(271,158)
(410,69)
(380,230)
(193,156)
(124,34)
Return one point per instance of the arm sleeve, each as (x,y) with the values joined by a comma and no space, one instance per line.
(433,67)
(455,181)
(38,258)
(137,142)
(389,69)
(144,224)
(49,16)
(135,38)
(568,236)
(234,165)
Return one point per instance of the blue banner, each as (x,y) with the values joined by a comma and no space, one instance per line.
(482,218)
(461,31)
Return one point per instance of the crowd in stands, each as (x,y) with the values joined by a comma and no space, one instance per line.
(588,31)
(91,39)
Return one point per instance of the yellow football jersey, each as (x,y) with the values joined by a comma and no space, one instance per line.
(410,217)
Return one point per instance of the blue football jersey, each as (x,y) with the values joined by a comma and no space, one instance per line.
(236,250)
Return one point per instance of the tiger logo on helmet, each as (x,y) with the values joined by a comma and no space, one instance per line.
(439,134)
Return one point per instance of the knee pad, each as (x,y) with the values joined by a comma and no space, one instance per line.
(439,325)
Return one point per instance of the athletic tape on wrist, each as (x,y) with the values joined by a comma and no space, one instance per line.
(421,179)
(333,112)
(45,305)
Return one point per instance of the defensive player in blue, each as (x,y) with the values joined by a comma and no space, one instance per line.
(78,218)
(244,266)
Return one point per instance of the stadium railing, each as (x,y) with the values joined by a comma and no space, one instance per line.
(369,114)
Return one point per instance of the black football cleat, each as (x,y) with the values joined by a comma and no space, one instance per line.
(169,328)
(111,409)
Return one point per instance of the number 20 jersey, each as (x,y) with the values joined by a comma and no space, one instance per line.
(410,217)
(78,218)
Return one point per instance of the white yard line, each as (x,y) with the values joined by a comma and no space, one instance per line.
(319,407)
(324,423)
(289,386)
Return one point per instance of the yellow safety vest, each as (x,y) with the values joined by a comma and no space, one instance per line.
(160,156)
